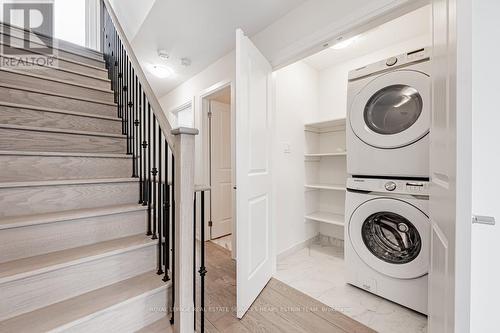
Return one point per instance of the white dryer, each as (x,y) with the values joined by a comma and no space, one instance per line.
(387,238)
(389,117)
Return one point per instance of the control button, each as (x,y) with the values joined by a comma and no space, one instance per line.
(390,186)
(391,61)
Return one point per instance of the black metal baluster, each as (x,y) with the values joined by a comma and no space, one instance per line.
(124,90)
(145,166)
(136,126)
(194,258)
(139,147)
(154,172)
(173,239)
(131,108)
(150,170)
(159,205)
(120,86)
(203,270)
(166,215)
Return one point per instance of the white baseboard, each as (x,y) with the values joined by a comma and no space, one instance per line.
(297,247)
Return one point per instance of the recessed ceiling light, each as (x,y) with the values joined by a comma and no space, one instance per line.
(344,43)
(160,71)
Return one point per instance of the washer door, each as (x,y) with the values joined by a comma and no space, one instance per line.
(391,236)
(393,110)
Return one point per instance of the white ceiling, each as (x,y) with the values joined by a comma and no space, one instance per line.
(411,25)
(203,31)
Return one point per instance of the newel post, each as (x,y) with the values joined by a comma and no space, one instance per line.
(184,188)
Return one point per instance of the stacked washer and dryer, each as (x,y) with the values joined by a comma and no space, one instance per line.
(387,228)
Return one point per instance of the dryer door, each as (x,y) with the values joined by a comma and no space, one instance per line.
(393,110)
(392,237)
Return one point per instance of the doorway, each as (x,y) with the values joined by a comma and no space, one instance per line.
(218,115)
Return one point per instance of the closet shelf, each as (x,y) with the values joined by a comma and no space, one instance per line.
(330,187)
(325,217)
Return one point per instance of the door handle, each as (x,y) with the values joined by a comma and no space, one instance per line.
(488,220)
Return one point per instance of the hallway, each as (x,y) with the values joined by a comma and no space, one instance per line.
(279,308)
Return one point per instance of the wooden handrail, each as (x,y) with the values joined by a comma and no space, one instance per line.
(153,100)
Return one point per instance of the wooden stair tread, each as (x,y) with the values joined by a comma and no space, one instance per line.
(62,131)
(51,93)
(62,154)
(85,306)
(76,214)
(75,72)
(25,267)
(160,326)
(34,75)
(67,182)
(46,109)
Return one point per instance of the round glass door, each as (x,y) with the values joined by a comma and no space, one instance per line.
(392,110)
(391,236)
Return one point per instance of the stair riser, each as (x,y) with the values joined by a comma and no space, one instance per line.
(19,96)
(127,317)
(18,243)
(34,292)
(44,199)
(16,40)
(36,118)
(34,168)
(26,81)
(27,140)
(59,63)
(62,44)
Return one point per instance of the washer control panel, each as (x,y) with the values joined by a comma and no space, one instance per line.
(411,187)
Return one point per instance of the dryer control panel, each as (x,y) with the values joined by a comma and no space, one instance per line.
(396,186)
(399,61)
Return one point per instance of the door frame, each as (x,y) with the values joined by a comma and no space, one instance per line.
(205,153)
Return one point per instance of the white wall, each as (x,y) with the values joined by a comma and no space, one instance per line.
(297,101)
(333,81)
(222,70)
(317,21)
(131,14)
(485,266)
(69,20)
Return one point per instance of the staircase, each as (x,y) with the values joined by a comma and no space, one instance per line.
(74,254)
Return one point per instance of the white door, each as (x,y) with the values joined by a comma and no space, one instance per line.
(449,284)
(220,178)
(254,241)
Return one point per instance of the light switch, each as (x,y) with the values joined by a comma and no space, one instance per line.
(286,148)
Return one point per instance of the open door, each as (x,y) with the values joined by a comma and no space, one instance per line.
(221,169)
(450,216)
(255,254)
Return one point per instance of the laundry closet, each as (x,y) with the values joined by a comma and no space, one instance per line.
(363,101)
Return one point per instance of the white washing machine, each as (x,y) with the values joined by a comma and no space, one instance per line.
(389,117)
(387,238)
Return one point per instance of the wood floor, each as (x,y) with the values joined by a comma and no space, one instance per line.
(279,308)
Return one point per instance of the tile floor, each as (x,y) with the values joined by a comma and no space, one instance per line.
(317,272)
(224,241)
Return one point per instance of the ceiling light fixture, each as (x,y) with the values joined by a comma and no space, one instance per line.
(342,44)
(160,71)
(163,54)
